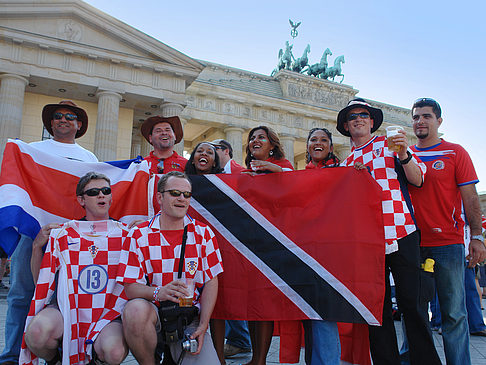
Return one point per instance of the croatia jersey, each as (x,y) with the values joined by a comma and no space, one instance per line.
(438,204)
(388,173)
(149,253)
(85,254)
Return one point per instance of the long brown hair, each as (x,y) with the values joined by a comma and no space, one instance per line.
(278,152)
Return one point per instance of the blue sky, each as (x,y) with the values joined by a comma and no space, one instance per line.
(395,51)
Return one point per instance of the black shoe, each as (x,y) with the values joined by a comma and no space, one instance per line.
(479,333)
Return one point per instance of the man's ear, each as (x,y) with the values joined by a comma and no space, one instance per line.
(345,126)
(80,200)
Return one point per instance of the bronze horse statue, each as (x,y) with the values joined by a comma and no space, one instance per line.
(335,70)
(319,68)
(301,62)
(284,58)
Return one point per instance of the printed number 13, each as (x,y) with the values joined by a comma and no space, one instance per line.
(93,279)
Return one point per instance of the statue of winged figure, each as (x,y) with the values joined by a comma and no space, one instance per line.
(294,26)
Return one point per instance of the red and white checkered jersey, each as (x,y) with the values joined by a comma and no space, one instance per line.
(438,204)
(148,254)
(389,174)
(86,256)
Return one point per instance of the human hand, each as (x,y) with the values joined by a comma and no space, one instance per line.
(43,235)
(198,334)
(261,165)
(172,291)
(400,139)
(135,223)
(477,253)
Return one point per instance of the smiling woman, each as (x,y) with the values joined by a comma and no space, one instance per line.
(203,160)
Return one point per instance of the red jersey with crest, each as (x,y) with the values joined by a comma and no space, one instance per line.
(386,170)
(151,254)
(85,255)
(438,204)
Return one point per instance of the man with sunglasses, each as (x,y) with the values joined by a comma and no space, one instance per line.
(450,187)
(163,133)
(149,266)
(392,171)
(225,153)
(80,267)
(66,122)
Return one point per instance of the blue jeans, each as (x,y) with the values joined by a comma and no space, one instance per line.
(436,320)
(18,299)
(473,303)
(322,346)
(236,333)
(449,282)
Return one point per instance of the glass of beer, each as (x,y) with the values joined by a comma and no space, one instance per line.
(186,301)
(391,131)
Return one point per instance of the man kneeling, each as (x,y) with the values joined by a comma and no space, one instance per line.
(149,268)
(82,310)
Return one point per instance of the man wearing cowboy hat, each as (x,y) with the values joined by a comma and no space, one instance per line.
(65,121)
(163,133)
(392,171)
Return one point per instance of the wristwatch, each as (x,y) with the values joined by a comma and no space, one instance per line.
(478,237)
(407,160)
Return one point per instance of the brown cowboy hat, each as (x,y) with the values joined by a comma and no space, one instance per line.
(174,122)
(49,109)
(375,114)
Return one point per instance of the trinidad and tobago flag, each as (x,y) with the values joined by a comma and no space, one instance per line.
(296,245)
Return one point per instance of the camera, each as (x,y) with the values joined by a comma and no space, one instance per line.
(189,345)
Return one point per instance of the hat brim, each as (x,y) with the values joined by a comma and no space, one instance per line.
(174,122)
(375,114)
(49,109)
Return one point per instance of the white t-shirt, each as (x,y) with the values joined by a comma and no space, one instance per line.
(71,151)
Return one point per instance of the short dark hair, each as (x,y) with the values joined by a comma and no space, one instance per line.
(84,180)
(163,180)
(420,103)
(278,152)
(191,168)
(225,145)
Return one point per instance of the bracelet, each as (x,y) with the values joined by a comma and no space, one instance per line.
(156,292)
(407,160)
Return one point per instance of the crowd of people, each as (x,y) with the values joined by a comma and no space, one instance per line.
(121,280)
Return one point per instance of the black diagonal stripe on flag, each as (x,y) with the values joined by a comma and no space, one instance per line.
(324,299)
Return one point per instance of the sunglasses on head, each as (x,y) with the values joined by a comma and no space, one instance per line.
(160,166)
(354,116)
(426,102)
(68,116)
(95,191)
(177,193)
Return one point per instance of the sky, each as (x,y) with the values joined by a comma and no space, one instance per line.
(395,51)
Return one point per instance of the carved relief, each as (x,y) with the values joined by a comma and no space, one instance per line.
(246,111)
(191,101)
(209,105)
(70,31)
(228,108)
(316,95)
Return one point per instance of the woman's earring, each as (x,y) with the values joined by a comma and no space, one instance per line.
(271,153)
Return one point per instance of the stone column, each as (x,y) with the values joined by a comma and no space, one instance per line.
(105,146)
(146,147)
(234,136)
(12,89)
(288,147)
(171,110)
(136,145)
(179,148)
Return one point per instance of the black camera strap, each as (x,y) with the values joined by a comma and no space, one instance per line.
(183,249)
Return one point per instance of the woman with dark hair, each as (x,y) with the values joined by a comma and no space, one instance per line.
(264,154)
(319,150)
(322,345)
(203,160)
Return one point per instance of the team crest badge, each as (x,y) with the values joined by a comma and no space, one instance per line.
(93,250)
(191,267)
(438,165)
(377,152)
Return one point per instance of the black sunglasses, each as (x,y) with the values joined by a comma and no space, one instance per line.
(68,116)
(95,191)
(160,166)
(354,116)
(177,193)
(426,102)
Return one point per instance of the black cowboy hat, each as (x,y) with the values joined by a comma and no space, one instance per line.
(175,123)
(49,109)
(375,114)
